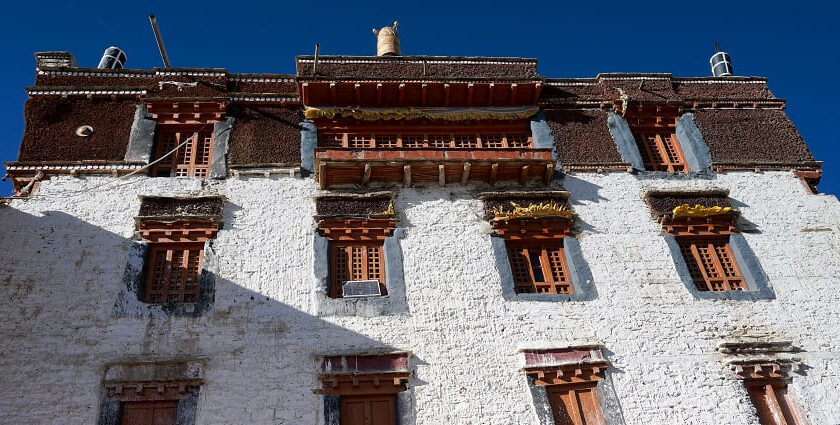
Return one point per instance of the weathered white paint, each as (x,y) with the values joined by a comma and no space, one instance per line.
(64,253)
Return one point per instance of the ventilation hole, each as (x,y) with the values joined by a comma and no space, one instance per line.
(84,131)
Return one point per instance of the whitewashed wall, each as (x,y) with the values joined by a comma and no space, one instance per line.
(64,252)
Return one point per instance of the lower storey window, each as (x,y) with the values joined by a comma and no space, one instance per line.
(174,272)
(539,267)
(368,409)
(149,412)
(711,264)
(575,404)
(356,262)
(773,403)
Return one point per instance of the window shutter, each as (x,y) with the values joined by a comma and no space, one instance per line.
(711,264)
(539,268)
(368,410)
(149,412)
(174,272)
(772,402)
(575,404)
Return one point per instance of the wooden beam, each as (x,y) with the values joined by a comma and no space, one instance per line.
(305,93)
(490,94)
(523,175)
(549,173)
(407,175)
(379,95)
(469,94)
(366,176)
(322,175)
(333,96)
(423,94)
(402,94)
(465,175)
(446,95)
(513,88)
(358,88)
(441,174)
(494,173)
(537,90)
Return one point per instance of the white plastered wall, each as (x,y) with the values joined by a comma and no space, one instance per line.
(64,253)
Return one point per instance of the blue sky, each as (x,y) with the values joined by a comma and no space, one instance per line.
(794,44)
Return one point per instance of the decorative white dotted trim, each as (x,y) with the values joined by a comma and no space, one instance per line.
(41,92)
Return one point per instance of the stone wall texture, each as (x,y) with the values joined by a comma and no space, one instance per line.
(66,249)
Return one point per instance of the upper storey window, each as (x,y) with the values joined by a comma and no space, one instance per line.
(184,137)
(654,128)
(357,152)
(464,140)
(192,151)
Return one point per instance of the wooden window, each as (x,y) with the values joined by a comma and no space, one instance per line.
(466,141)
(711,263)
(439,141)
(575,404)
(190,160)
(360,141)
(413,141)
(492,141)
(174,272)
(149,412)
(461,139)
(660,151)
(351,260)
(773,403)
(539,267)
(518,141)
(368,410)
(386,141)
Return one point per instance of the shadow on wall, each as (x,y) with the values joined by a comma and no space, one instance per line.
(60,277)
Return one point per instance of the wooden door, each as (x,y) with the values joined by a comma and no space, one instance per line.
(368,410)
(149,412)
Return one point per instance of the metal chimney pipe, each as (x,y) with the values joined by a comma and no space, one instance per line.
(159,39)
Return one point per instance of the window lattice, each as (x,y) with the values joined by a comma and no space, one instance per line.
(660,151)
(190,160)
(355,261)
(419,141)
(174,272)
(539,268)
(711,264)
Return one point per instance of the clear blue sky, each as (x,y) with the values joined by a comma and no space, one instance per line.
(795,44)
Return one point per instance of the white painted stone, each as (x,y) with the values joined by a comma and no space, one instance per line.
(64,253)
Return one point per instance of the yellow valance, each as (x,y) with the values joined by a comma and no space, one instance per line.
(541,210)
(686,210)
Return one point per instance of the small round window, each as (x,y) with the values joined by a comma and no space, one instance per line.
(84,131)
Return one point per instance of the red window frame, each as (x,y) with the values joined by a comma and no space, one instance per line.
(773,403)
(654,129)
(356,260)
(149,412)
(711,263)
(660,150)
(575,404)
(173,273)
(550,274)
(369,409)
(192,159)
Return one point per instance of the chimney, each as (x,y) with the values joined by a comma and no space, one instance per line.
(55,60)
(387,41)
(721,63)
(113,58)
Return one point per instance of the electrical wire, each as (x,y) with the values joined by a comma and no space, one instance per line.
(145,167)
